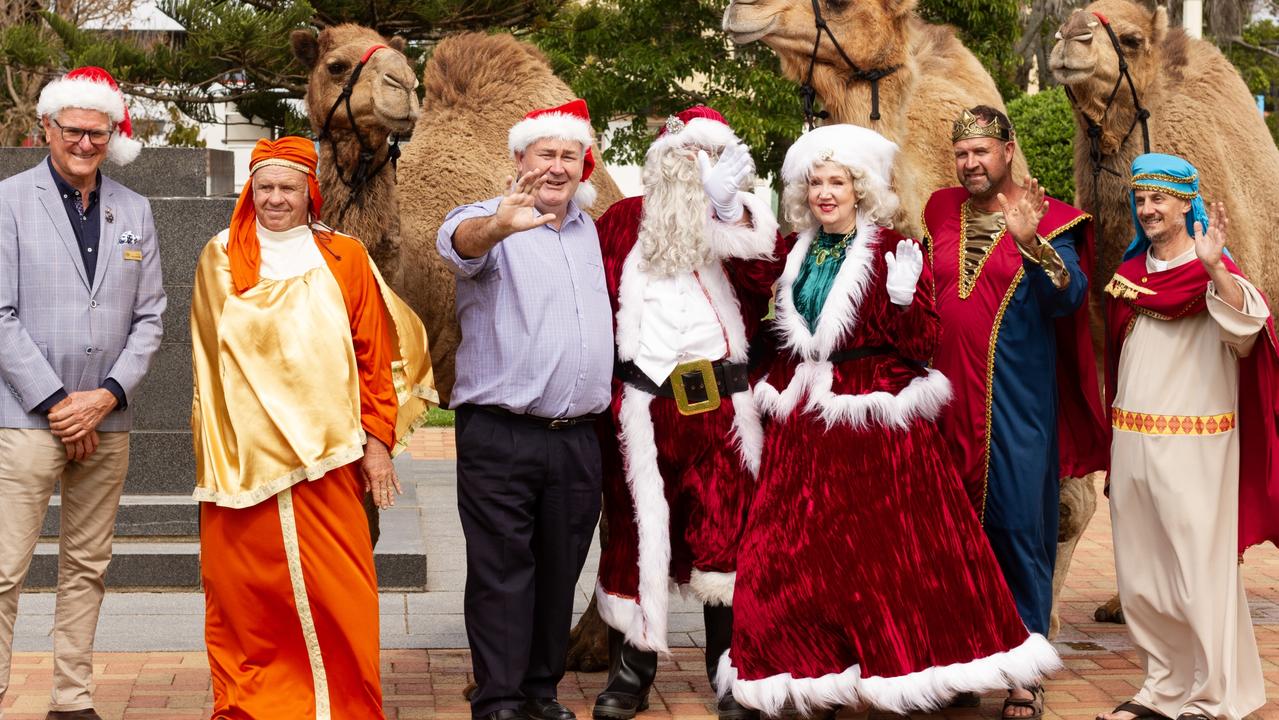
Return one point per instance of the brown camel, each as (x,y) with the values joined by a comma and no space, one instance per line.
(477,87)
(1199,108)
(383,102)
(935,78)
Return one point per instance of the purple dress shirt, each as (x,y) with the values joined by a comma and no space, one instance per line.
(537,325)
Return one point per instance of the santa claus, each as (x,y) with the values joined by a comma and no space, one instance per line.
(690,268)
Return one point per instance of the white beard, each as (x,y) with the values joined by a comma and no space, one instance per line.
(672,231)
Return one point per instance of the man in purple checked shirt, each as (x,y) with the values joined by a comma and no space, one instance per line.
(533,374)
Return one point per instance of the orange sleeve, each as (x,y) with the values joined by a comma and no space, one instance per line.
(370,333)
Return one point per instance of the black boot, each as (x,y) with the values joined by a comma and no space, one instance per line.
(719,635)
(630,675)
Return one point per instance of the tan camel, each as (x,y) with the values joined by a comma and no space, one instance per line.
(382,102)
(936,78)
(1199,108)
(477,87)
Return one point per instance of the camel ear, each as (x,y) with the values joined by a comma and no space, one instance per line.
(396,43)
(1159,26)
(306,47)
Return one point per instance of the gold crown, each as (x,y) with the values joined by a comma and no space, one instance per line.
(969,126)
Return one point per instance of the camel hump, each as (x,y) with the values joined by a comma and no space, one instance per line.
(477,69)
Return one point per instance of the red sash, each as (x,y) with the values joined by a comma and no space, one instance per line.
(971,331)
(1177,293)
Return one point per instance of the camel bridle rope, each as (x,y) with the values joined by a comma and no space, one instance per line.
(809,94)
(364,170)
(1141,114)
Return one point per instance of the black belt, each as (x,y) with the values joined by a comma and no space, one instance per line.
(547,423)
(872,351)
(730,378)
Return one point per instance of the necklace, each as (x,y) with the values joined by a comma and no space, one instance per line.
(832,252)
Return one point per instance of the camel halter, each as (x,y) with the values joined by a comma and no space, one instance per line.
(364,170)
(1094,126)
(809,94)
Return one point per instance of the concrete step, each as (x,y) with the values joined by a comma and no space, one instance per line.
(149,516)
(145,556)
(157,172)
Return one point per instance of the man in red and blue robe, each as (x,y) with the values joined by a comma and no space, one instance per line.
(1011,269)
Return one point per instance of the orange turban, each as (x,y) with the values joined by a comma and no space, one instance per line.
(243,249)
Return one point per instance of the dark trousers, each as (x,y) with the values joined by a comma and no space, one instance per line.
(529,498)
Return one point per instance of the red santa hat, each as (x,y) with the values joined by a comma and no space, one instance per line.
(92,88)
(570,121)
(698,126)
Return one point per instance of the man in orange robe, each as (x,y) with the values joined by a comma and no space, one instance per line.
(309,373)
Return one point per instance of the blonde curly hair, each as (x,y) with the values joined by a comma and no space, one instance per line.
(875,200)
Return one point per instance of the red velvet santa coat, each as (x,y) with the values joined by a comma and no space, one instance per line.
(864,576)
(676,487)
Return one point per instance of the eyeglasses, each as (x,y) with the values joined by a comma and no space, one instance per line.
(74,134)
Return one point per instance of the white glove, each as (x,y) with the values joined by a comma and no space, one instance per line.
(903,272)
(722,181)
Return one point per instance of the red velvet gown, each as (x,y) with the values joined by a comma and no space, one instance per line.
(864,576)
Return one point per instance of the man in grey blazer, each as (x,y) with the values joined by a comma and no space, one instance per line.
(80,305)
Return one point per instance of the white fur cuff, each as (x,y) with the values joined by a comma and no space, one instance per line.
(713,588)
(756,241)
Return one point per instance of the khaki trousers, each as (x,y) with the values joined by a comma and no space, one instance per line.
(31,463)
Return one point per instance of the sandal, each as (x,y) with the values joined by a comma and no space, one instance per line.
(1139,711)
(1035,703)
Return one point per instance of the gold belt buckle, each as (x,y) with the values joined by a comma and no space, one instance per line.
(704,368)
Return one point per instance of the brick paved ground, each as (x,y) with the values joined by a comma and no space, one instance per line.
(433,443)
(1100,665)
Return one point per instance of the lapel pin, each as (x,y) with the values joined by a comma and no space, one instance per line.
(110,216)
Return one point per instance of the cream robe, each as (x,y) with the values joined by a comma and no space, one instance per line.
(1174,506)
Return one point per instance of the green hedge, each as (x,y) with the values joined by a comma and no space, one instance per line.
(1046,132)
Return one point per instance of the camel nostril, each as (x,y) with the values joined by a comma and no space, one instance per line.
(1083,38)
(393,82)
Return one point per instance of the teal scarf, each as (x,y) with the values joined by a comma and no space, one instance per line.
(817,274)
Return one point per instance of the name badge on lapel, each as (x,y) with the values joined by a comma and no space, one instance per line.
(133,255)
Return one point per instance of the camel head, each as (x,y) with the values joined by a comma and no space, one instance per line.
(384,100)
(872,32)
(1084,57)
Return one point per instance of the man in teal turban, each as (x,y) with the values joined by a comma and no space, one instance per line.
(1194,479)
